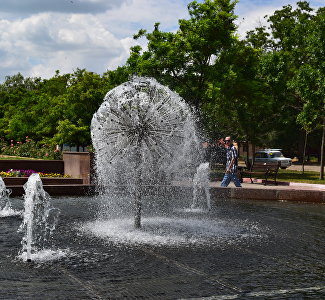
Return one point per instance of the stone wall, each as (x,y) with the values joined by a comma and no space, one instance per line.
(44,166)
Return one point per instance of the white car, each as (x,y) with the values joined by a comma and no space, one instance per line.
(273,155)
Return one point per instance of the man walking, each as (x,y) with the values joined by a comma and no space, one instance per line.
(232,163)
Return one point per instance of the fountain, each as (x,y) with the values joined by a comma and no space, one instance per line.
(145,143)
(39,220)
(144,135)
(5,205)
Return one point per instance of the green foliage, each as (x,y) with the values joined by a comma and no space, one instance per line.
(292,68)
(241,101)
(292,65)
(67,132)
(185,60)
(82,97)
(55,110)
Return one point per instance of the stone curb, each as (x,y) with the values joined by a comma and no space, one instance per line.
(245,193)
(274,194)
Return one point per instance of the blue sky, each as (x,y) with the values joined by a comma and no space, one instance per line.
(38,37)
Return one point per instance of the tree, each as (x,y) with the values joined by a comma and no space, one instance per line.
(291,65)
(54,110)
(68,132)
(241,100)
(310,81)
(84,93)
(17,95)
(184,60)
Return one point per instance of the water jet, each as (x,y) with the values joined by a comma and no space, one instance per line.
(5,205)
(201,186)
(39,219)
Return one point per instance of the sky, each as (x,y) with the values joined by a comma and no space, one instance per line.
(38,37)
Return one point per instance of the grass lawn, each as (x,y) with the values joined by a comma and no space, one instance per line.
(297,176)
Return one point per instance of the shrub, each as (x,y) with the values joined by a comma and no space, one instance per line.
(29,148)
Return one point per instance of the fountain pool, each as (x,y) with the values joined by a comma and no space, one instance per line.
(144,238)
(239,250)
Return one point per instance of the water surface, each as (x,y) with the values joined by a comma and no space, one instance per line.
(238,250)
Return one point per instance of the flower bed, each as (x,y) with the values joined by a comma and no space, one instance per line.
(27,173)
(20,181)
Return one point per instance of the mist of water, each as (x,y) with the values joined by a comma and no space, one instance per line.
(201,186)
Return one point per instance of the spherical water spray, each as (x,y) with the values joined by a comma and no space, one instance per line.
(143,134)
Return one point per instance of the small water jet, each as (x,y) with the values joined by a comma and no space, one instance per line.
(144,135)
(201,186)
(39,220)
(5,205)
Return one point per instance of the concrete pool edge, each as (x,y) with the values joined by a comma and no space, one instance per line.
(270,194)
(247,192)
(58,190)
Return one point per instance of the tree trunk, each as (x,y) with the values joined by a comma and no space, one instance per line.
(304,153)
(301,146)
(247,156)
(322,153)
(253,150)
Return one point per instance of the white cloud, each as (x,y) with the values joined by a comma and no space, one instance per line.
(40,43)
(143,14)
(44,43)
(251,12)
(254,18)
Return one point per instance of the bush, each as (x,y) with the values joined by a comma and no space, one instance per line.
(29,148)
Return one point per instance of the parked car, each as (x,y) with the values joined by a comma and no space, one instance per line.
(273,155)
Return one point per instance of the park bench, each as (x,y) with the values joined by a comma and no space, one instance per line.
(265,170)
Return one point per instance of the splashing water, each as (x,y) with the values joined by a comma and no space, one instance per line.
(143,134)
(201,185)
(39,221)
(145,141)
(5,205)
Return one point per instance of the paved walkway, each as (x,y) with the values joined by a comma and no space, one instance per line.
(290,186)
